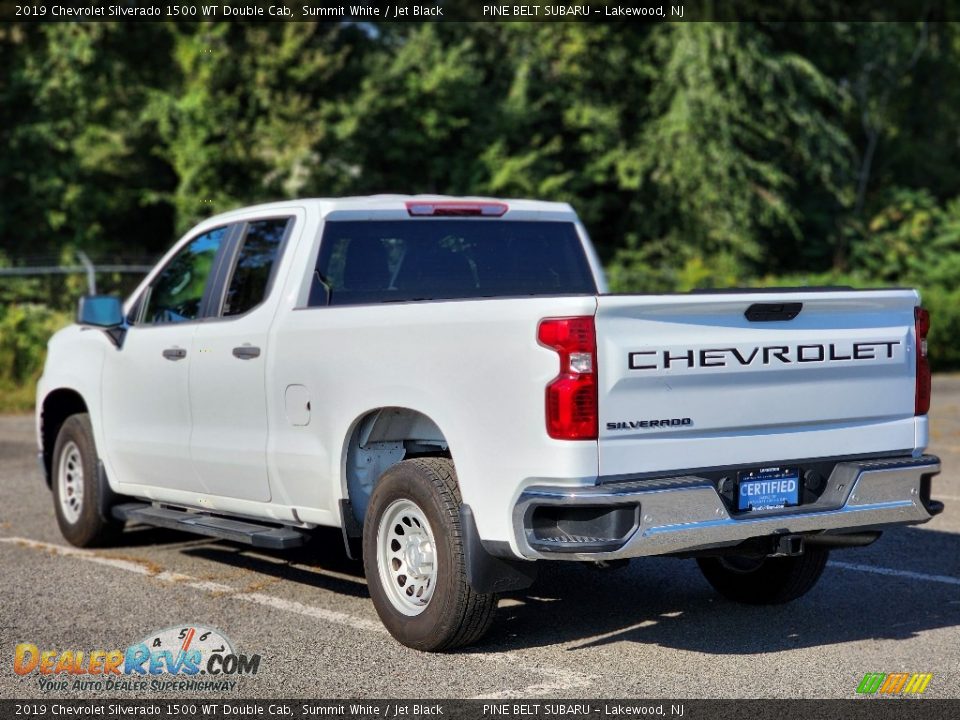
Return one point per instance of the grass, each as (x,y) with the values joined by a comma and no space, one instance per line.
(17,399)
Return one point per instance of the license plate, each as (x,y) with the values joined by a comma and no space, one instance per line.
(768,488)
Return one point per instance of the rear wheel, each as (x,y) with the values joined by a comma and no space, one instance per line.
(413,558)
(79,496)
(765,581)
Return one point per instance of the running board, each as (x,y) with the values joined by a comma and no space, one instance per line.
(245,531)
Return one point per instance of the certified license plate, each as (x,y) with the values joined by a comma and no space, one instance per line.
(768,488)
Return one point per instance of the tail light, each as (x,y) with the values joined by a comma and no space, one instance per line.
(455,208)
(922,326)
(572,395)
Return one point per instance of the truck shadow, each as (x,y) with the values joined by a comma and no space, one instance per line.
(321,563)
(666,602)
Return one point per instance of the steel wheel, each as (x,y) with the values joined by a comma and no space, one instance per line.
(70,481)
(81,495)
(406,557)
(414,561)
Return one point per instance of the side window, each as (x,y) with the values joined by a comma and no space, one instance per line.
(177,292)
(254,266)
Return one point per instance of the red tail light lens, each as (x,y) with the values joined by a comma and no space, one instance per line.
(572,395)
(922,326)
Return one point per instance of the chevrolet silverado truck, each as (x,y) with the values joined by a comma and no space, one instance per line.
(449,382)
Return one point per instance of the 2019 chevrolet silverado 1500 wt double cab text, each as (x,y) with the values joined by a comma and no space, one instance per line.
(449,382)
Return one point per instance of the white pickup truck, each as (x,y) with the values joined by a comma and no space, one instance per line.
(449,381)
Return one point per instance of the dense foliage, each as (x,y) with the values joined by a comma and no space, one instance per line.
(698,154)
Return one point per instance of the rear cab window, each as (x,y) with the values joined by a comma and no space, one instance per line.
(255,264)
(379,261)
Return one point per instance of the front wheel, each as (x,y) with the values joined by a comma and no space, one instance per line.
(79,493)
(413,558)
(765,581)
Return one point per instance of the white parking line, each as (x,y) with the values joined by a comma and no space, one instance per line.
(945,579)
(143,568)
(554,679)
(331,616)
(140,568)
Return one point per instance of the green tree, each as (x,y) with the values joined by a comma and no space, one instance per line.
(79,171)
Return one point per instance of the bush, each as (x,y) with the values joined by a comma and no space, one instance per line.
(944,307)
(24,331)
(668,265)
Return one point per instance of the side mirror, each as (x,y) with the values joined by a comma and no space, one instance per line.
(102,311)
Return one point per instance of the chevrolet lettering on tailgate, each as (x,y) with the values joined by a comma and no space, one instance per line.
(678,359)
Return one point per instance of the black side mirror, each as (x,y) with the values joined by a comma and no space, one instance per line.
(102,311)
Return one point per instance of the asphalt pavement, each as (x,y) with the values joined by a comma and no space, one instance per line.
(654,629)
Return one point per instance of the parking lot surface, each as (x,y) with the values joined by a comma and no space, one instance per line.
(652,629)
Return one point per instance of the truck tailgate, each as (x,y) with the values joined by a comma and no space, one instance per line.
(688,381)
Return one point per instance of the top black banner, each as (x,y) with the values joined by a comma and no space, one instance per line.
(376,11)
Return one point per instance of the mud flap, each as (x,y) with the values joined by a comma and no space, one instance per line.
(352,531)
(488,573)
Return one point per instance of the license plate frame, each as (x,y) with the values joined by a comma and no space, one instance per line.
(770,488)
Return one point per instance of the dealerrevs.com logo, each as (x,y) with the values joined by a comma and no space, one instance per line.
(187,658)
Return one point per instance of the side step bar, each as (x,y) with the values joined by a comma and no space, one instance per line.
(245,531)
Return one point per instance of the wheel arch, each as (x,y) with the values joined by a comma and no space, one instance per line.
(383,437)
(57,406)
(380,438)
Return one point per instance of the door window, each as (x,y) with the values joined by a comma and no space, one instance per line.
(176,294)
(255,264)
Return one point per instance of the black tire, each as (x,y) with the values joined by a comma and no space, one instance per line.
(765,581)
(454,615)
(85,525)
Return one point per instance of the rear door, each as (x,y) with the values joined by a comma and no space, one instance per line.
(688,381)
(228,400)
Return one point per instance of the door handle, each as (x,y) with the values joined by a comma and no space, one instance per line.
(768,312)
(246,352)
(175,353)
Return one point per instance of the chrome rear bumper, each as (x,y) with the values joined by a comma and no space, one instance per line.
(687,514)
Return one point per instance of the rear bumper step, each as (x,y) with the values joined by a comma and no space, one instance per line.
(245,531)
(687,514)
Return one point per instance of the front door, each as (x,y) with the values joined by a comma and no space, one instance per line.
(146,401)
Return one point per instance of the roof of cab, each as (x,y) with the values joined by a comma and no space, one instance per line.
(398,202)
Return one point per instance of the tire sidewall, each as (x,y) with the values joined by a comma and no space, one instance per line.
(88,526)
(427,630)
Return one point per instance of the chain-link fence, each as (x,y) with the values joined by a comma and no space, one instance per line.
(38,295)
(57,281)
